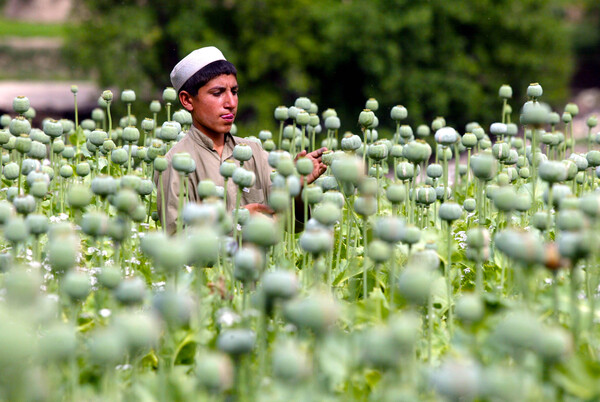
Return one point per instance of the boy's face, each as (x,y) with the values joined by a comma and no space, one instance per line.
(214,108)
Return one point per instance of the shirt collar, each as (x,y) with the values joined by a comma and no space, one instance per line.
(205,141)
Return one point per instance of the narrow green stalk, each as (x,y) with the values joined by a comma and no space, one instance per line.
(180,204)
(447,269)
(365,289)
(236,216)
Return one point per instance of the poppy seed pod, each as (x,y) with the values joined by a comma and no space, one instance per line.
(279,200)
(20,104)
(411,235)
(365,118)
(377,151)
(534,90)
(304,166)
(316,240)
(572,109)
(53,128)
(470,308)
(389,229)
(169,95)
(97,137)
(417,151)
(505,91)
(450,211)
(469,140)
(183,163)
(574,245)
(280,284)
(11,171)
(434,170)
(236,342)
(523,247)
(379,251)
(396,193)
(302,118)
(426,195)
(312,194)
(327,214)
(317,312)
(446,136)
(483,166)
(535,113)
(248,262)
(77,285)
(262,231)
(553,171)
(79,196)
(593,158)
(174,308)
(130,134)
(65,171)
(504,198)
(19,125)
(415,284)
(242,152)
(62,255)
(348,169)
(398,113)
(571,220)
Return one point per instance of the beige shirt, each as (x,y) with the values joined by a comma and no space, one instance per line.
(208,163)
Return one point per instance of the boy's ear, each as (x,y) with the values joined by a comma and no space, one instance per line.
(186,100)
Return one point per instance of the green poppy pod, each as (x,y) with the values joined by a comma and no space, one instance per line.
(505,91)
(365,206)
(593,158)
(107,96)
(280,284)
(328,113)
(169,95)
(141,331)
(478,238)
(109,277)
(304,166)
(571,220)
(68,152)
(11,171)
(24,204)
(379,251)
(426,195)
(23,144)
(7,211)
(405,171)
(302,118)
(469,140)
(145,187)
(423,131)
(53,128)
(450,211)
(236,342)
(261,231)
(281,113)
(372,104)
(62,255)
(539,220)
(438,123)
(279,200)
(377,151)
(379,348)
(290,363)
(368,187)
(130,291)
(106,347)
(396,193)
(94,224)
(214,372)
(103,185)
(435,170)
(327,214)
(79,196)
(248,262)
(560,191)
(535,113)
(410,235)
(504,198)
(534,90)
(82,169)
(570,202)
(366,118)
(590,205)
(97,137)
(58,343)
(152,242)
(30,114)
(312,194)
(446,136)
(171,257)
(11,193)
(523,247)
(417,151)
(10,145)
(36,135)
(5,120)
(483,166)
(398,113)
(242,152)
(77,285)
(415,284)
(470,308)
(5,137)
(37,224)
(572,109)
(553,171)
(128,96)
(574,245)
(155,106)
(20,104)
(554,345)
(523,202)
(126,200)
(39,188)
(206,188)
(243,178)
(98,116)
(317,312)
(316,240)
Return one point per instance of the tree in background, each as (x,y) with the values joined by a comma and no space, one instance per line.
(438,58)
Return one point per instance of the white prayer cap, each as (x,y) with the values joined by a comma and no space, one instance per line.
(192,63)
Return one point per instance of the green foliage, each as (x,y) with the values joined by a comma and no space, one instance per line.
(438,58)
(10,27)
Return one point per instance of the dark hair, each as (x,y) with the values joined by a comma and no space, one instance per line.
(207,73)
